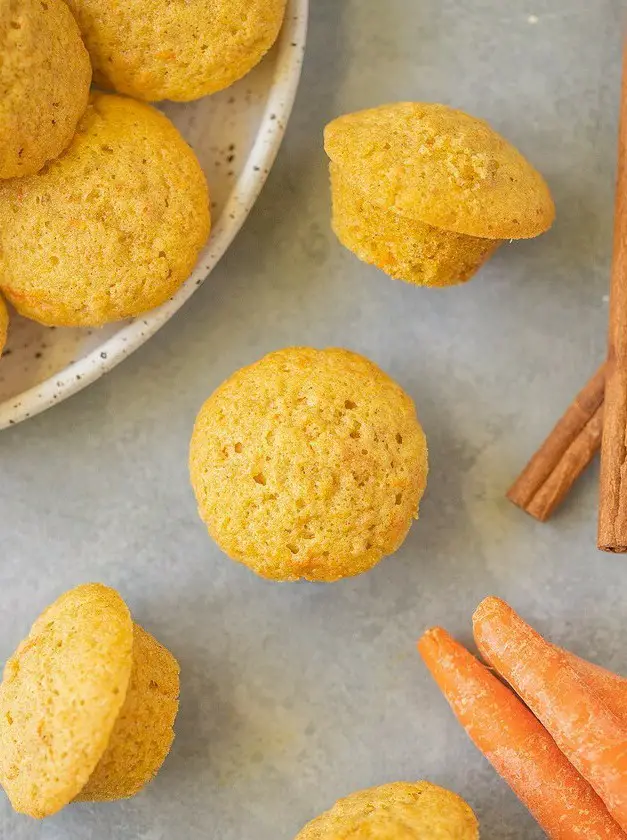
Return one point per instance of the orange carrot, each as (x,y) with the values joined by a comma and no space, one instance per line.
(583,727)
(611,688)
(516,744)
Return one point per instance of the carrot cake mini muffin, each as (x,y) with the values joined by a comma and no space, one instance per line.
(156,49)
(427,193)
(110,229)
(4,324)
(308,464)
(87,705)
(404,810)
(44,83)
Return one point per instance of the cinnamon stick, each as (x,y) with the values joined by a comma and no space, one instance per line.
(612,531)
(564,455)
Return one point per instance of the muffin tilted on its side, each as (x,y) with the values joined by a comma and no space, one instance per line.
(156,49)
(44,83)
(397,811)
(308,464)
(87,705)
(427,193)
(111,228)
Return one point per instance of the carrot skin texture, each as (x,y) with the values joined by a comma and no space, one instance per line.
(516,744)
(610,687)
(592,738)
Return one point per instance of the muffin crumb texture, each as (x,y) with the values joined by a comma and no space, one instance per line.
(110,229)
(45,75)
(397,811)
(60,696)
(308,464)
(180,51)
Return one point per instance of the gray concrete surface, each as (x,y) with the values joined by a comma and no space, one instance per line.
(293,695)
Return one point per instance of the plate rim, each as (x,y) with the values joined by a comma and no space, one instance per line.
(246,189)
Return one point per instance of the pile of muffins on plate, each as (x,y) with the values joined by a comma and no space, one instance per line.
(308,464)
(103,205)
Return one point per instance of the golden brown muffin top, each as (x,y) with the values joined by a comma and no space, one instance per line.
(153,50)
(62,691)
(308,464)
(443,167)
(109,229)
(45,75)
(398,811)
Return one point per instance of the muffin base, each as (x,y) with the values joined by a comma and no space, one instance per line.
(143,734)
(404,248)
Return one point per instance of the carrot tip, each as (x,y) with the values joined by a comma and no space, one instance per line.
(430,637)
(487,606)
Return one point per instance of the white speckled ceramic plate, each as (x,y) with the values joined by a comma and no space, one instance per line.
(236,135)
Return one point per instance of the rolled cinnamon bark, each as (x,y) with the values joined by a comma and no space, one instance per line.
(564,455)
(612,531)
